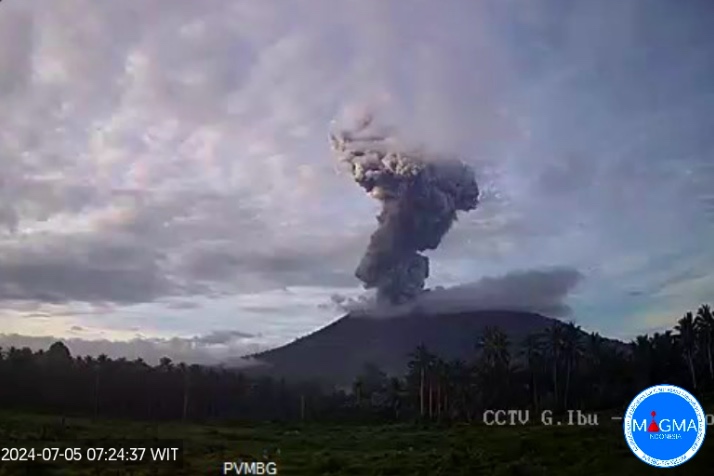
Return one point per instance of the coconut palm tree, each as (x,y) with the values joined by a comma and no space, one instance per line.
(704,326)
(688,339)
(358,390)
(461,378)
(572,351)
(595,355)
(101,366)
(420,363)
(553,341)
(594,348)
(440,377)
(494,365)
(184,371)
(643,359)
(494,343)
(533,353)
(395,393)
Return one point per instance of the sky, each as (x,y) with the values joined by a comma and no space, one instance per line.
(167,186)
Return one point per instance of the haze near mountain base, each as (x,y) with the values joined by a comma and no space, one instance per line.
(420,197)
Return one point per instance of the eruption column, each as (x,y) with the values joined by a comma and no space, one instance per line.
(420,197)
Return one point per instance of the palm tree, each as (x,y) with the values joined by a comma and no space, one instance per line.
(100,367)
(394,395)
(494,344)
(184,371)
(439,376)
(358,390)
(642,357)
(460,379)
(444,377)
(595,356)
(532,351)
(554,348)
(666,356)
(688,338)
(572,351)
(421,361)
(704,325)
(594,348)
(494,365)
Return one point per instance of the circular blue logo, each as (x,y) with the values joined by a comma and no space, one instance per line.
(665,426)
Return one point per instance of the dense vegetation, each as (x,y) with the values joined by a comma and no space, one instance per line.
(560,368)
(310,449)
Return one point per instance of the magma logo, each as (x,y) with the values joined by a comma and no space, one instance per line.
(665,426)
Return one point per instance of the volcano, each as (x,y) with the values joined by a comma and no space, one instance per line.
(337,353)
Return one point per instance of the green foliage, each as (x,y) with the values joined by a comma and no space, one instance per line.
(403,449)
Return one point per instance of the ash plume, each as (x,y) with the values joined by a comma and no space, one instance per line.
(420,197)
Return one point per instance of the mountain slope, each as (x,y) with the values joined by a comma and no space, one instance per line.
(336,353)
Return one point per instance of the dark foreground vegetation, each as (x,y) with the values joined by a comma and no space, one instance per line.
(312,449)
(561,368)
(429,421)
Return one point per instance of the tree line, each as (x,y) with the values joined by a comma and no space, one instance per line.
(560,368)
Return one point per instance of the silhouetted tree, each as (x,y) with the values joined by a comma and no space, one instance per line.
(532,351)
(704,327)
(494,365)
(572,351)
(420,365)
(578,368)
(553,340)
(687,337)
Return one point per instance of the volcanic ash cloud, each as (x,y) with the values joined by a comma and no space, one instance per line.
(420,196)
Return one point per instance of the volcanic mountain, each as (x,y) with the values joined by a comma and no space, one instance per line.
(337,353)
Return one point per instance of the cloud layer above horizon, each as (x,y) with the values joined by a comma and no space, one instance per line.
(165,171)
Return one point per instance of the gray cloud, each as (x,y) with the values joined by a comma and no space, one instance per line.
(296,267)
(223,337)
(183,155)
(182,305)
(542,291)
(181,139)
(89,270)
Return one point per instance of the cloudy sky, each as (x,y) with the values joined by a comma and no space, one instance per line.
(166,180)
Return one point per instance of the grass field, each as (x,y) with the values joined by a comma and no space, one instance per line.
(359,450)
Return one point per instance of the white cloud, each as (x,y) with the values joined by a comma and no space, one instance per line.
(202,350)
